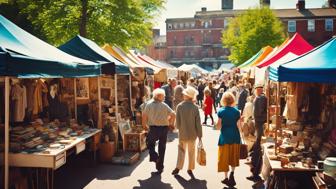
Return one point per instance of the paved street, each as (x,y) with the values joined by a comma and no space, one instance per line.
(79,173)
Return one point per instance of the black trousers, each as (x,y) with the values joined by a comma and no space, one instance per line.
(256,153)
(157,133)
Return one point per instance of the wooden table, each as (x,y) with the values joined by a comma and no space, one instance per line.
(274,172)
(56,157)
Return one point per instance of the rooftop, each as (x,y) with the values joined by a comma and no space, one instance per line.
(281,13)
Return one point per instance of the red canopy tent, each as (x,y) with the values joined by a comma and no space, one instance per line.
(296,45)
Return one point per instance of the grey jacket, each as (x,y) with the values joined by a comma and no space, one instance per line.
(188,121)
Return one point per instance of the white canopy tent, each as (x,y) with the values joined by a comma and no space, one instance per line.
(193,69)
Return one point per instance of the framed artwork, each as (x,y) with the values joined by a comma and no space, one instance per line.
(82,88)
(106,83)
(124,127)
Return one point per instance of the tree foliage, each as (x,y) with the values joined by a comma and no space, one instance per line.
(127,23)
(250,31)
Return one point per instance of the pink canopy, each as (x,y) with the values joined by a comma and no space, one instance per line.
(296,45)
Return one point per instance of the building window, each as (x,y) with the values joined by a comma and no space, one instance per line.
(175,40)
(226,22)
(187,25)
(329,24)
(175,26)
(311,25)
(171,54)
(192,24)
(181,25)
(170,26)
(206,24)
(291,26)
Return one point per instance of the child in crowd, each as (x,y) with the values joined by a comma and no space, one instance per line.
(207,106)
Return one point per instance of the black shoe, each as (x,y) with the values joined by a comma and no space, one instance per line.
(254,178)
(232,179)
(226,182)
(191,174)
(176,171)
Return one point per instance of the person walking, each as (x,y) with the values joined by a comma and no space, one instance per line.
(189,130)
(169,92)
(200,95)
(219,96)
(260,117)
(178,95)
(229,139)
(213,93)
(207,106)
(242,97)
(158,117)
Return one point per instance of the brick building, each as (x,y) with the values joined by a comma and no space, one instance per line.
(198,39)
(158,49)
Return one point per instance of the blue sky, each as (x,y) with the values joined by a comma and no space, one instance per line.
(187,8)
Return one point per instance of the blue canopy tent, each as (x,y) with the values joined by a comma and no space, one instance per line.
(318,65)
(25,56)
(89,50)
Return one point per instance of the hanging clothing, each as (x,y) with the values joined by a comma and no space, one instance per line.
(39,99)
(19,98)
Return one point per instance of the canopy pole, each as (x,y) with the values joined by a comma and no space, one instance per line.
(277,118)
(75,91)
(99,104)
(130,92)
(116,110)
(6,163)
(268,91)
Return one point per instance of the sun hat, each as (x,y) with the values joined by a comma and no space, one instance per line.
(258,85)
(190,92)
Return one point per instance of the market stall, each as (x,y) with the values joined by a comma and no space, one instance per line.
(114,89)
(160,74)
(39,126)
(304,143)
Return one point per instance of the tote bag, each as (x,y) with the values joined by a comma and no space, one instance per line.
(201,155)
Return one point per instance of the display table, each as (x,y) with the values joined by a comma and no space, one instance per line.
(277,176)
(52,159)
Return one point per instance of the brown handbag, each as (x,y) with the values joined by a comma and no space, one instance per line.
(243,147)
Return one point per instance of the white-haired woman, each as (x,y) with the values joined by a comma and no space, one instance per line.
(229,139)
(158,117)
(188,122)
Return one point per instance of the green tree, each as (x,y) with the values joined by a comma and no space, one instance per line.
(250,31)
(127,23)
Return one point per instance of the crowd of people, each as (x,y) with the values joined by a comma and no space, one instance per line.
(177,106)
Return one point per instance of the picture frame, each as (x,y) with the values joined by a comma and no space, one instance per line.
(82,88)
(124,127)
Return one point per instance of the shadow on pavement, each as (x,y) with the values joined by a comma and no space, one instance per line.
(79,171)
(192,183)
(153,182)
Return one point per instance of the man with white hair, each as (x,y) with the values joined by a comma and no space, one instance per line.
(158,117)
(188,122)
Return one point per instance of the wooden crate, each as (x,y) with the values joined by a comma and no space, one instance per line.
(107,151)
(135,142)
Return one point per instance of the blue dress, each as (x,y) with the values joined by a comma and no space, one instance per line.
(229,133)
